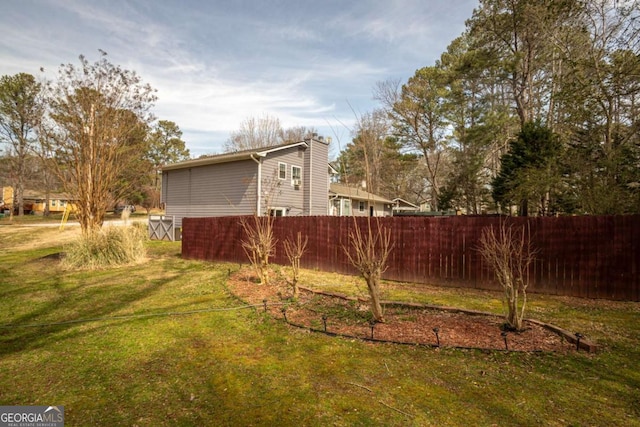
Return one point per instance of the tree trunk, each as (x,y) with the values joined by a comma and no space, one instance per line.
(374,293)
(20,197)
(47,201)
(296,289)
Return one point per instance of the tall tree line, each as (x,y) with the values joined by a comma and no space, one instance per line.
(534,107)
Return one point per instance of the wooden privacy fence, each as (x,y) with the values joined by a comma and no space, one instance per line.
(583,256)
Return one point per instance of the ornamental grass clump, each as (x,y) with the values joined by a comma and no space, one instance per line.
(108,247)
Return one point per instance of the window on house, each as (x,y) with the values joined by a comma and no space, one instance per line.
(296,174)
(346,207)
(361,207)
(278,212)
(282,170)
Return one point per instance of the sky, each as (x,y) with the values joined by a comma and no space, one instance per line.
(215,63)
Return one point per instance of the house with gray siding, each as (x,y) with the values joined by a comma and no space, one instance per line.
(284,180)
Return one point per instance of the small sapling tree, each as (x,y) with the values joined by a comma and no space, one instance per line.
(509,253)
(294,249)
(369,253)
(259,244)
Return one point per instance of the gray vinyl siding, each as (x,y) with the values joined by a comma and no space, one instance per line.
(319,161)
(282,194)
(213,190)
(306,179)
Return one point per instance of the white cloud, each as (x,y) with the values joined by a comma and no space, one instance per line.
(216,63)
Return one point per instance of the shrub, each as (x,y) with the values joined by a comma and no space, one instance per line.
(108,247)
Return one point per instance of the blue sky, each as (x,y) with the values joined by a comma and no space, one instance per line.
(215,63)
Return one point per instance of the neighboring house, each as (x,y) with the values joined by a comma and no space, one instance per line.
(401,205)
(35,201)
(284,180)
(6,197)
(347,201)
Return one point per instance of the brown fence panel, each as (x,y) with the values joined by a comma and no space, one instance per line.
(588,256)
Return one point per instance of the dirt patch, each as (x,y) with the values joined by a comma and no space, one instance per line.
(417,325)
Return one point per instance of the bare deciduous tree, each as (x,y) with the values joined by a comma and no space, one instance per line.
(509,253)
(96,113)
(259,243)
(255,133)
(294,249)
(265,131)
(369,253)
(297,133)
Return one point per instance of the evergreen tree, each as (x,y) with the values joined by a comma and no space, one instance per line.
(529,170)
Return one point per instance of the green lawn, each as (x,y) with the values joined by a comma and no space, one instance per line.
(134,364)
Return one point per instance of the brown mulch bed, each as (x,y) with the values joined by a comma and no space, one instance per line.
(404,324)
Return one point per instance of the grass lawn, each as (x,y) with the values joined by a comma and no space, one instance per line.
(142,361)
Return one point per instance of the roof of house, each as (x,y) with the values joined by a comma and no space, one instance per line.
(235,156)
(40,195)
(355,193)
(398,201)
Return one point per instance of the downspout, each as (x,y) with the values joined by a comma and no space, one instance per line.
(259,186)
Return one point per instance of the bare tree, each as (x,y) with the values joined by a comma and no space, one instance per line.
(96,112)
(509,253)
(387,92)
(265,131)
(294,249)
(369,250)
(255,133)
(370,138)
(259,243)
(297,133)
(369,253)
(418,112)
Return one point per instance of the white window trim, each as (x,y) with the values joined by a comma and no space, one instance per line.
(280,170)
(346,207)
(278,209)
(362,206)
(293,167)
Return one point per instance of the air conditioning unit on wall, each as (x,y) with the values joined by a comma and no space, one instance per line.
(296,182)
